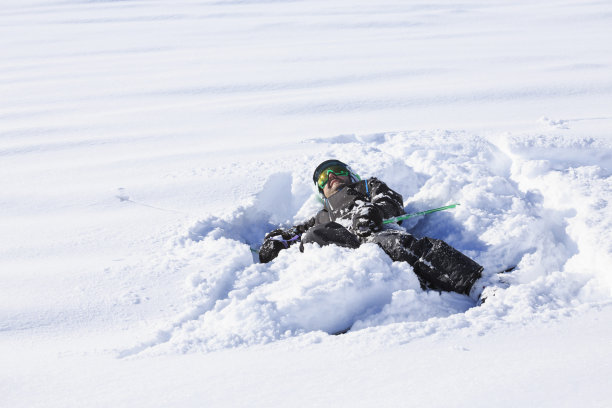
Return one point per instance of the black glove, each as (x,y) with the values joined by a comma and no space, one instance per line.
(269,250)
(275,241)
(367,219)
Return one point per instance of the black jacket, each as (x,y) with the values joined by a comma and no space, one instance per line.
(365,204)
(341,208)
(342,205)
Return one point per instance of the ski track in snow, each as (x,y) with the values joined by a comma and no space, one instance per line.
(535,201)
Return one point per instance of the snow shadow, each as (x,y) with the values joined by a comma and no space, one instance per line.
(274,205)
(445,227)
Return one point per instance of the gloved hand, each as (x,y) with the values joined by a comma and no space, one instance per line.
(367,219)
(270,250)
(275,241)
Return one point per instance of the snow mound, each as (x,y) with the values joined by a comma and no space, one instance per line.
(291,296)
(539,213)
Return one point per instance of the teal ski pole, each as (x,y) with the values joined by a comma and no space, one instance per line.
(406,216)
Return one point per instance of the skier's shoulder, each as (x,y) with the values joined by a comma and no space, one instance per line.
(380,192)
(375,182)
(377,186)
(370,189)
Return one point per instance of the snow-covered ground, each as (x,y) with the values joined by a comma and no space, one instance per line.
(146,145)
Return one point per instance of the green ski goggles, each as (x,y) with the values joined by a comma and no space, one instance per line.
(324,176)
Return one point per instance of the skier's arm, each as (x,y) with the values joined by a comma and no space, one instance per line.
(279,239)
(367,219)
(389,202)
(384,203)
(303,227)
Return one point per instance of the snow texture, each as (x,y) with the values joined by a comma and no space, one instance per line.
(503,221)
(146,148)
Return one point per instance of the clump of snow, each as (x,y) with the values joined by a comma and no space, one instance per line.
(574,183)
(322,289)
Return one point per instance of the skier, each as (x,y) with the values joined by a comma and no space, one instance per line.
(353,213)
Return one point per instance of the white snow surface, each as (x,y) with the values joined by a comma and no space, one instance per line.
(147,146)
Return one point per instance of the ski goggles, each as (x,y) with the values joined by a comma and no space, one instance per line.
(324,176)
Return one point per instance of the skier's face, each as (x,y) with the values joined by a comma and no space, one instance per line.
(335,183)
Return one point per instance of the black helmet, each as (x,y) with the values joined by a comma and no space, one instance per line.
(332,162)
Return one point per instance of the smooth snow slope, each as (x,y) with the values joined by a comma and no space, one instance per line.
(145,145)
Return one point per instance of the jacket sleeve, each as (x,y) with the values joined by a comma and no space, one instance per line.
(305,226)
(388,201)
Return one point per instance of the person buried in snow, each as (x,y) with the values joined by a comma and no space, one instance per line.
(353,213)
